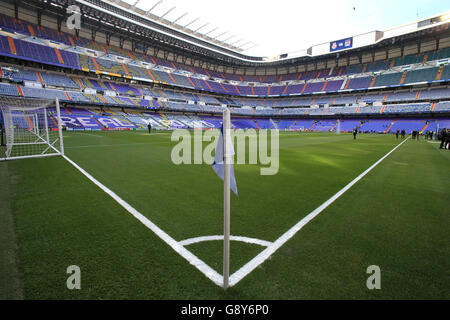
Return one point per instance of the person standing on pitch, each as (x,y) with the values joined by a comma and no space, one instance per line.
(2,144)
(397,133)
(447,140)
(403,133)
(355,132)
(443,137)
(149,126)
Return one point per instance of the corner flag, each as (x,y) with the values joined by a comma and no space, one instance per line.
(219,158)
(224,168)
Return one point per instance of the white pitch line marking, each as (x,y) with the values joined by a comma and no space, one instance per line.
(189,256)
(251,265)
(116,145)
(259,242)
(401,163)
(264,255)
(91,134)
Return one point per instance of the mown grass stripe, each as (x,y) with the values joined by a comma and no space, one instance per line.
(10,281)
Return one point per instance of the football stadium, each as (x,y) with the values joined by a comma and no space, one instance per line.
(147,155)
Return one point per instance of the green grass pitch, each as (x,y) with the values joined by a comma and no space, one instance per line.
(396,217)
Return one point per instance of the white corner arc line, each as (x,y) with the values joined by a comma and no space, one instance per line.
(259,242)
(189,256)
(264,255)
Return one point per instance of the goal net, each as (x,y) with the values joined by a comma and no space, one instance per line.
(31,128)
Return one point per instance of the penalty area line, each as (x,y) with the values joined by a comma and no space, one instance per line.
(175,245)
(266,253)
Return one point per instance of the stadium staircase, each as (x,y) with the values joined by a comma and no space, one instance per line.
(53,120)
(102,97)
(223,88)
(31,30)
(152,76)
(390,126)
(303,89)
(310,128)
(97,67)
(402,80)
(72,42)
(79,82)
(290,127)
(171,77)
(125,69)
(40,77)
(418,94)
(392,64)
(12,46)
(97,122)
(439,74)
(30,124)
(346,84)
(425,127)
(58,56)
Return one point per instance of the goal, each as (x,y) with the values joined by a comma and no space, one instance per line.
(31,128)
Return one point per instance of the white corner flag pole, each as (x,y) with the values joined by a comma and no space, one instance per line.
(226,190)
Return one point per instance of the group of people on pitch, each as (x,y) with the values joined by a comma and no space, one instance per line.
(415,135)
(429,135)
(398,133)
(444,136)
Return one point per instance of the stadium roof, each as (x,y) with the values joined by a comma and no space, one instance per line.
(128,20)
(265,29)
(195,26)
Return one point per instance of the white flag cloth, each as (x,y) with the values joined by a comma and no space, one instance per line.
(219,159)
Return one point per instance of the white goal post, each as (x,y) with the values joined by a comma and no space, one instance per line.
(32,128)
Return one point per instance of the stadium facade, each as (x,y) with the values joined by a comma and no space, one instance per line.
(124,68)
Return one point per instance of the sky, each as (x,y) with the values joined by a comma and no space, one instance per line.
(286,26)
